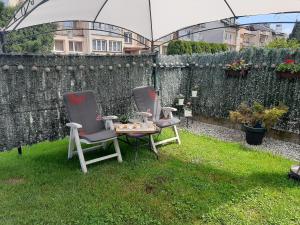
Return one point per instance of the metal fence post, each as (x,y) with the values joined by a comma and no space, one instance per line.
(2,50)
(154,72)
(2,42)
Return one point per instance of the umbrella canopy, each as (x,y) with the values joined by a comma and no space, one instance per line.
(152,19)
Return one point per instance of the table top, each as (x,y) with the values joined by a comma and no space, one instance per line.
(136,128)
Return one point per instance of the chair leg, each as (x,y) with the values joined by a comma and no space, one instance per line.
(153,145)
(71,144)
(80,152)
(117,148)
(177,135)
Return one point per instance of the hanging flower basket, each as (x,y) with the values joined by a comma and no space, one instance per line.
(236,73)
(237,69)
(288,70)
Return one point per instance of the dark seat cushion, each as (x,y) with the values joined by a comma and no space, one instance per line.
(99,136)
(162,123)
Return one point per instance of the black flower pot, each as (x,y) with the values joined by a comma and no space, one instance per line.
(254,136)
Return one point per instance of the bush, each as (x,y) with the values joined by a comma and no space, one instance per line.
(179,47)
(283,43)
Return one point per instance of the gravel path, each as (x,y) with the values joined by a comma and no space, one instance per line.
(286,149)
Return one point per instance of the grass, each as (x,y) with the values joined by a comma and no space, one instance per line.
(203,181)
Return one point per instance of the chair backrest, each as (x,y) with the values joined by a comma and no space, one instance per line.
(147,100)
(82,108)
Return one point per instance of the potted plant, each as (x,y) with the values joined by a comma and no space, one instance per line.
(188,110)
(124,119)
(195,91)
(256,120)
(237,69)
(180,99)
(288,70)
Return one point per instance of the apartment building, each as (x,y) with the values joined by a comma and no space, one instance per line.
(236,37)
(206,32)
(258,35)
(100,39)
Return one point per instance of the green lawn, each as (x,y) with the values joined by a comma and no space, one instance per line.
(203,181)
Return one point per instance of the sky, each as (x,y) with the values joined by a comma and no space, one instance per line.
(289,17)
(287,28)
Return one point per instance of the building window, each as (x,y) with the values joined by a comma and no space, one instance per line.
(228,36)
(75,46)
(69,25)
(141,39)
(99,45)
(188,34)
(128,37)
(115,46)
(164,50)
(59,46)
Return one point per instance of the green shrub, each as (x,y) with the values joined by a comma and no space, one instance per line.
(179,47)
(283,43)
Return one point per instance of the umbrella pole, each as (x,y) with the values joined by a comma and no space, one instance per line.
(152,46)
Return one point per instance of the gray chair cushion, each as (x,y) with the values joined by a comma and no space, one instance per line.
(146,100)
(162,123)
(82,108)
(99,136)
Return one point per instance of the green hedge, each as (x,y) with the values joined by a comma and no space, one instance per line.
(179,47)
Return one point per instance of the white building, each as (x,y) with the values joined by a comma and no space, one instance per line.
(206,32)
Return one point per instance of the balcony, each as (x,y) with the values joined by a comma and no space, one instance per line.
(70,33)
(248,43)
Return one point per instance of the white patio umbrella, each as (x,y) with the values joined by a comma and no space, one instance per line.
(152,19)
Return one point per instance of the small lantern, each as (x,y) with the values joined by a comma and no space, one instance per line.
(188,110)
(180,99)
(195,91)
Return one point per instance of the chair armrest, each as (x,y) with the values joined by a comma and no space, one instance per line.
(170,109)
(144,114)
(109,125)
(109,117)
(74,125)
(168,112)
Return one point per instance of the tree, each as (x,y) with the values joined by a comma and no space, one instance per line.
(296,32)
(283,43)
(38,39)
